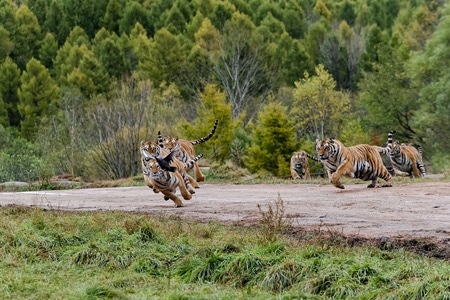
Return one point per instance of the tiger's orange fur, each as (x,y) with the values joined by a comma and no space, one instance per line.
(361,161)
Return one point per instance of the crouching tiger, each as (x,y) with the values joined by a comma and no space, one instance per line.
(361,161)
(300,165)
(166,174)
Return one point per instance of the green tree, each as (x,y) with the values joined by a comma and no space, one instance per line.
(318,109)
(7,15)
(113,14)
(107,49)
(132,14)
(56,22)
(387,97)
(213,107)
(9,85)
(165,59)
(6,45)
(38,97)
(430,73)
(26,36)
(48,50)
(273,141)
(90,77)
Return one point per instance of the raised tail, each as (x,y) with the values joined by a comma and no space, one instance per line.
(160,140)
(390,141)
(190,163)
(204,139)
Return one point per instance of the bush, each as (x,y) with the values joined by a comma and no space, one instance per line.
(20,161)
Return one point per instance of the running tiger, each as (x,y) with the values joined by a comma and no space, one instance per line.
(300,165)
(166,174)
(361,161)
(152,149)
(407,159)
(186,151)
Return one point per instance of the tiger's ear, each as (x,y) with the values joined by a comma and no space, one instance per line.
(142,143)
(331,140)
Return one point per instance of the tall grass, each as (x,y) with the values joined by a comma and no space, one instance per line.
(119,255)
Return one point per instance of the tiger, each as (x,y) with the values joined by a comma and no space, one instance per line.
(187,151)
(300,166)
(361,161)
(166,174)
(152,149)
(407,159)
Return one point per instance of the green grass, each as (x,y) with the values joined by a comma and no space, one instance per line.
(119,255)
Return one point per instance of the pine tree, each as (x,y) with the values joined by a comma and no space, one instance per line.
(38,98)
(273,141)
(9,84)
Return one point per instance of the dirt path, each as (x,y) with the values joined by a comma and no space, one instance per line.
(418,210)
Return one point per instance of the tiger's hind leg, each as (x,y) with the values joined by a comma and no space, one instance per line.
(198,173)
(386,176)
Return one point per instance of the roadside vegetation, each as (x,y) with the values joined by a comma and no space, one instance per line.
(47,254)
(83,82)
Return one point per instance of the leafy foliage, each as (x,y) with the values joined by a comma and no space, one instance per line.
(273,141)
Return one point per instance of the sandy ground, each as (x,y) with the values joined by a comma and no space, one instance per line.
(416,210)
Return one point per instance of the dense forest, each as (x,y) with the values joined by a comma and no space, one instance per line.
(83,82)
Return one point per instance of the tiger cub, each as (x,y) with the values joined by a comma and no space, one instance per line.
(166,175)
(187,151)
(361,161)
(300,165)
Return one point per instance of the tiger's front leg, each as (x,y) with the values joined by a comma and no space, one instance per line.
(342,170)
(307,173)
(149,183)
(173,197)
(182,186)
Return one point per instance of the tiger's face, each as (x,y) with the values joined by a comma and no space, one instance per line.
(324,149)
(170,142)
(299,160)
(152,167)
(149,149)
(396,149)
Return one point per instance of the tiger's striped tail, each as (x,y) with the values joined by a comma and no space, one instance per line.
(390,141)
(160,140)
(312,157)
(191,162)
(204,139)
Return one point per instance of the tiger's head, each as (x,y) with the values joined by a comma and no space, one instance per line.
(149,149)
(299,159)
(325,148)
(170,142)
(152,168)
(396,149)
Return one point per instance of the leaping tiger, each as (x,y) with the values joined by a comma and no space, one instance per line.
(186,151)
(166,174)
(360,161)
(152,149)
